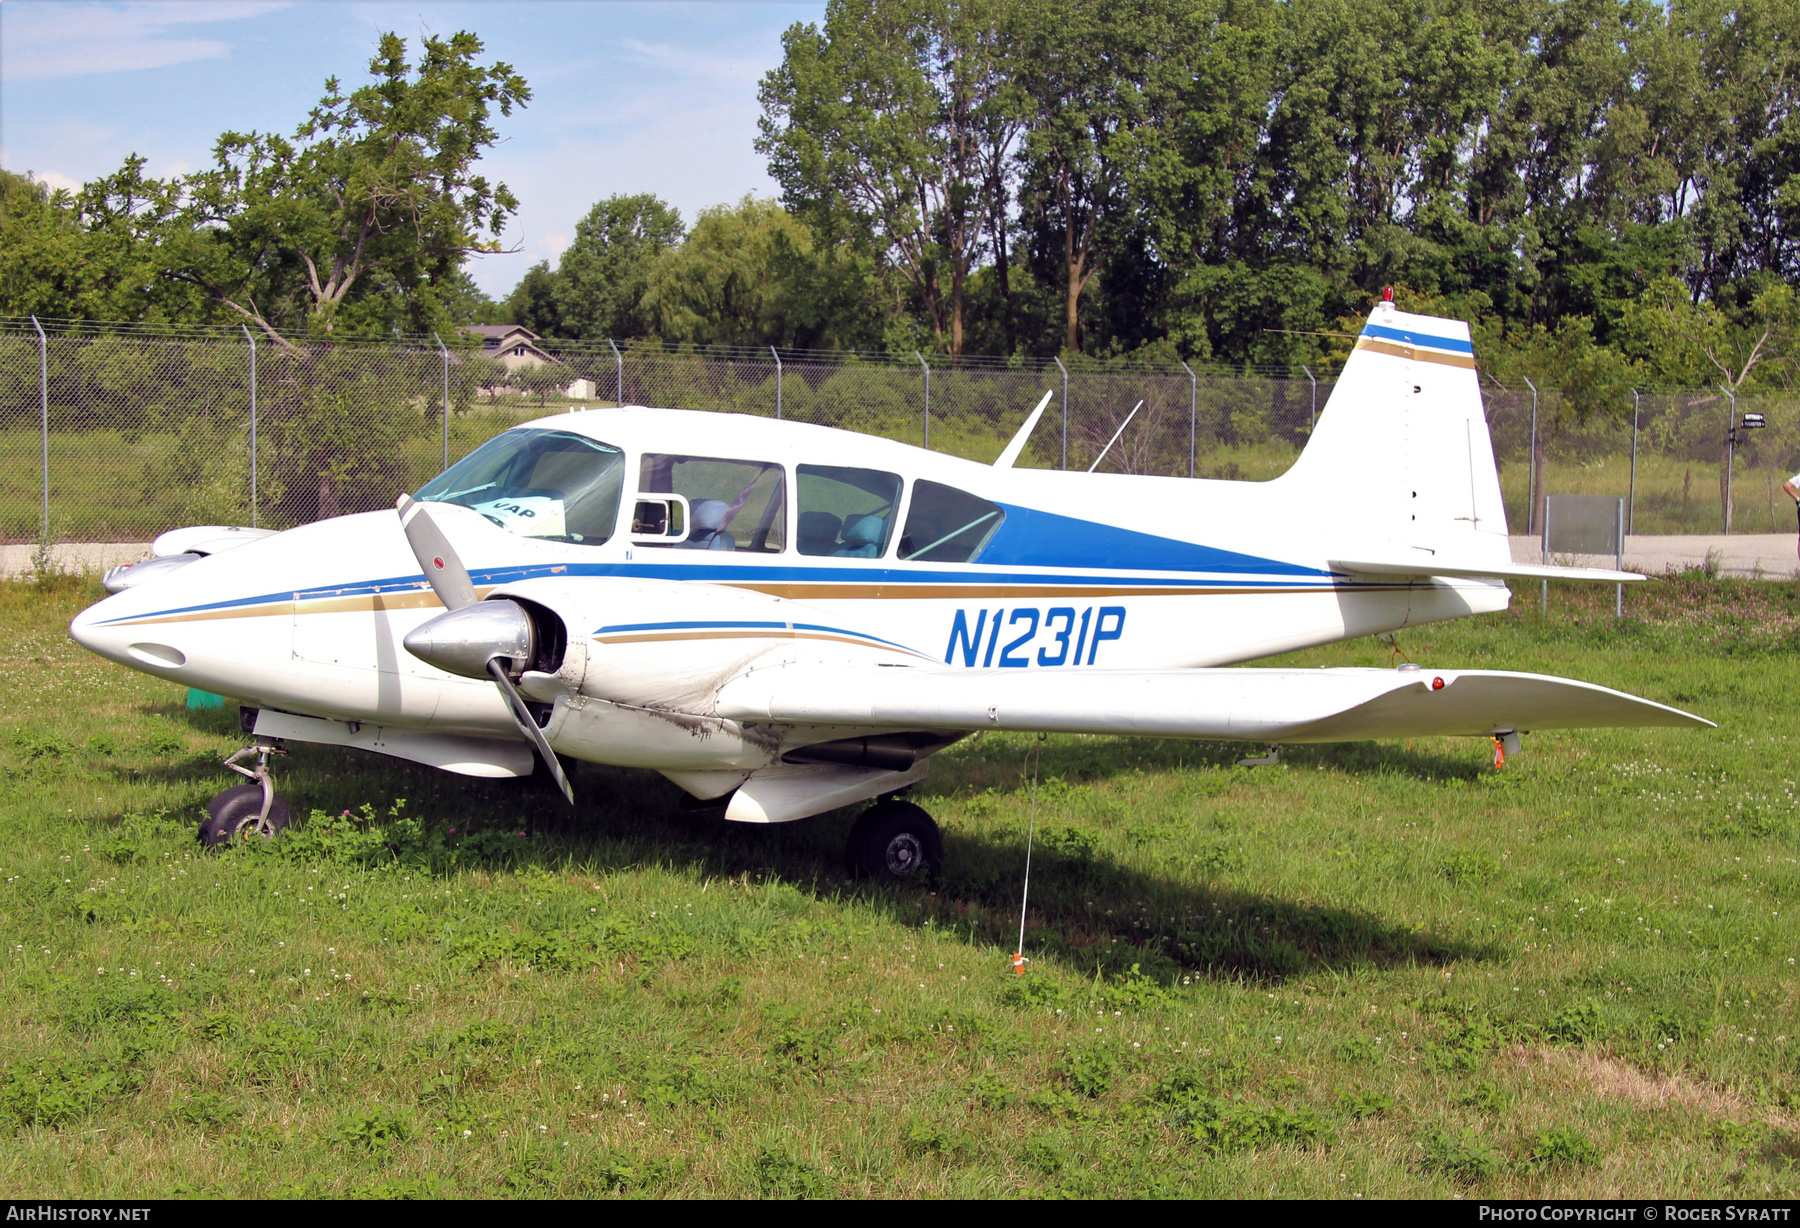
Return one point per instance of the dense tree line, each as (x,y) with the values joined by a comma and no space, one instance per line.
(1609,188)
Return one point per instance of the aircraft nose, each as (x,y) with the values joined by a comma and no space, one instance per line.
(151,648)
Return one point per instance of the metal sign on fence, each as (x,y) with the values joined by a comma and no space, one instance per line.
(1585,524)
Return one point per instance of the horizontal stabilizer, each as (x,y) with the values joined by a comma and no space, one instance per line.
(1495,571)
(1250,705)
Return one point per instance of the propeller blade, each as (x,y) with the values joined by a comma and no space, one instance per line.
(522,717)
(444,571)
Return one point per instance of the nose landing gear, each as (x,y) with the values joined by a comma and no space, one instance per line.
(249,809)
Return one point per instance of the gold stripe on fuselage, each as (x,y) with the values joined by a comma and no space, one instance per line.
(892,591)
(1465,361)
(771,633)
(901,591)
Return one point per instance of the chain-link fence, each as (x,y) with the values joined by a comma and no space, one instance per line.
(1668,451)
(115,433)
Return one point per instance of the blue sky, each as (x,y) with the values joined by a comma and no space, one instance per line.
(627,96)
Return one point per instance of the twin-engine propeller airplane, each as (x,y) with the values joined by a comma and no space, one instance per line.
(784,619)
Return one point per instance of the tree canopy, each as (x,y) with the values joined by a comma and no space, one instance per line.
(1608,189)
(360,221)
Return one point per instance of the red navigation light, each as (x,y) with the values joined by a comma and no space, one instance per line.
(1387,294)
(1437,684)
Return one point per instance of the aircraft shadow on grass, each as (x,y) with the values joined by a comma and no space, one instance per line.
(1088,910)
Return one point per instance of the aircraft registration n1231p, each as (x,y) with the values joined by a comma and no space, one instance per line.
(784,619)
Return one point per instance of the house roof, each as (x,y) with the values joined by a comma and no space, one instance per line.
(494,334)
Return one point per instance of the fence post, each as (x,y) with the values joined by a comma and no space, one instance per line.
(619,364)
(445,355)
(927,367)
(1531,477)
(1730,452)
(252,342)
(1065,409)
(777,354)
(44,412)
(1312,421)
(1631,504)
(1193,413)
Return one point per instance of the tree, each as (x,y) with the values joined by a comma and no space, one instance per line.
(890,127)
(602,276)
(532,302)
(542,380)
(58,263)
(351,222)
(1082,66)
(752,275)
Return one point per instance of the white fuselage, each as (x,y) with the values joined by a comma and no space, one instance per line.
(1088,571)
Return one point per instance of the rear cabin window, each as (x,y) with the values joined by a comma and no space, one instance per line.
(732,504)
(844,513)
(947,525)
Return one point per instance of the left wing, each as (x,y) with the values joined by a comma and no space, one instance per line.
(1238,704)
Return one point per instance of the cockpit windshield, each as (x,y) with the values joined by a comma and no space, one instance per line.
(539,483)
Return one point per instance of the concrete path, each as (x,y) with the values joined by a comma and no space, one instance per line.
(1769,556)
(1761,556)
(15,561)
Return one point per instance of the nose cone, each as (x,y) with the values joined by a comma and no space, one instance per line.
(464,641)
(113,629)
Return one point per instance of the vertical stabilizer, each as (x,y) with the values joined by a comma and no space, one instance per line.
(1401,463)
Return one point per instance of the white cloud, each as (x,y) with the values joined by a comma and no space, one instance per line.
(687,61)
(78,39)
(58,181)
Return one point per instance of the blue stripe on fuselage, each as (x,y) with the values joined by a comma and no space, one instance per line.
(1412,338)
(1030,538)
(744,625)
(716,574)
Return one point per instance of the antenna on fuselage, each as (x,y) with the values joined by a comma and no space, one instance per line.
(1115,438)
(1017,444)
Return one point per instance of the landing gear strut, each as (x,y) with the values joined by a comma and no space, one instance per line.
(247,809)
(895,842)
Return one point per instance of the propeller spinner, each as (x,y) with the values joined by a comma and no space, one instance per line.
(473,639)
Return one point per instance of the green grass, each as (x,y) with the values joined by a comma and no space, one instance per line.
(1372,969)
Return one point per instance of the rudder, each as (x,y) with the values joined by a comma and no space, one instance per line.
(1401,453)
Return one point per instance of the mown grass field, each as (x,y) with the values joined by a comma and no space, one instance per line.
(1383,970)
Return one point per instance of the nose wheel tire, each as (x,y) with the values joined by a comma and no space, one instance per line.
(237,811)
(895,842)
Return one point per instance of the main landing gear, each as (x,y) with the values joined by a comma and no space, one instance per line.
(895,842)
(251,809)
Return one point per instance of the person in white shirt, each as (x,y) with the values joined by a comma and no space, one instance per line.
(1792,486)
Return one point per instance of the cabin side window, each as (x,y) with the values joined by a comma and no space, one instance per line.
(843,512)
(732,504)
(947,525)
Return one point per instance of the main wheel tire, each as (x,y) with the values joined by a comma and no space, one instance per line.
(895,842)
(234,812)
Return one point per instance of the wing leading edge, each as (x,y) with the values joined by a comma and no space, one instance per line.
(1253,705)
